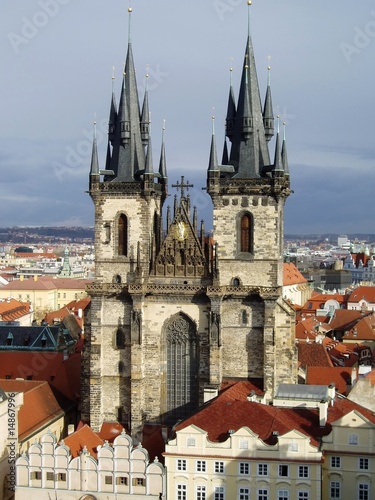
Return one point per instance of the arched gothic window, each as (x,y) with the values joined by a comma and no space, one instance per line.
(182,368)
(123,235)
(246,233)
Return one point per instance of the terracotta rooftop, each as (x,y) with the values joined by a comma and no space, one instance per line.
(340,376)
(313,354)
(47,283)
(84,436)
(292,275)
(218,416)
(41,405)
(362,293)
(13,310)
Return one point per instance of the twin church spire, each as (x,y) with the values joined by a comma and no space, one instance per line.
(249,128)
(129,154)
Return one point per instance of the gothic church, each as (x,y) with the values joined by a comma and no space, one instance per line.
(174,312)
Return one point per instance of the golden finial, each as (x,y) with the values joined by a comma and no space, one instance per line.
(249,2)
(113,72)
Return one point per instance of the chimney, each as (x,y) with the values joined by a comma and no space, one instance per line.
(22,277)
(323,412)
(35,277)
(332,392)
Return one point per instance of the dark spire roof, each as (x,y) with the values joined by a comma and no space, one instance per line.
(112,114)
(145,118)
(163,162)
(268,118)
(149,168)
(278,163)
(94,170)
(128,155)
(213,163)
(284,154)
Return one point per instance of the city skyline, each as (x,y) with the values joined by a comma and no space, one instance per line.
(57,79)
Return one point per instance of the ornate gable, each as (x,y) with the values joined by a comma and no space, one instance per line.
(181,254)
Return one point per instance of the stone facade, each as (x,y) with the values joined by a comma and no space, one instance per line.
(174,311)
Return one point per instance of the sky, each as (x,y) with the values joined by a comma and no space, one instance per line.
(56,79)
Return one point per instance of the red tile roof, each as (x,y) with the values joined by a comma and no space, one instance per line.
(68,378)
(41,366)
(340,376)
(313,354)
(13,310)
(47,283)
(218,416)
(362,292)
(292,275)
(84,437)
(40,406)
(110,430)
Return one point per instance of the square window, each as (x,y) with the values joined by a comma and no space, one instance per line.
(303,495)
(334,489)
(201,493)
(61,476)
(108,479)
(181,464)
(181,492)
(50,476)
(36,475)
(363,492)
(219,493)
(244,445)
(219,467)
(138,481)
(263,494)
(363,464)
(201,466)
(244,494)
(122,480)
(283,495)
(303,471)
(335,462)
(190,441)
(293,446)
(262,469)
(283,470)
(353,439)
(244,468)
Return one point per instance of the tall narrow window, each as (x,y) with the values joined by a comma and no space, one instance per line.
(246,234)
(123,235)
(182,365)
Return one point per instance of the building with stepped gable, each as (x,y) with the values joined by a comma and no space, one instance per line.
(175,312)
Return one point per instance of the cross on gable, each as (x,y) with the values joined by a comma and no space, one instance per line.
(181,185)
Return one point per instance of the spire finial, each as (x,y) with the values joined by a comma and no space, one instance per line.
(231,71)
(278,124)
(213,121)
(94,125)
(249,3)
(269,70)
(113,78)
(130,10)
(284,127)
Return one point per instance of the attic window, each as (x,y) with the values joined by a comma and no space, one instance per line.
(10,339)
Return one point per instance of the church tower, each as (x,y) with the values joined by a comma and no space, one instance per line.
(248,191)
(175,312)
